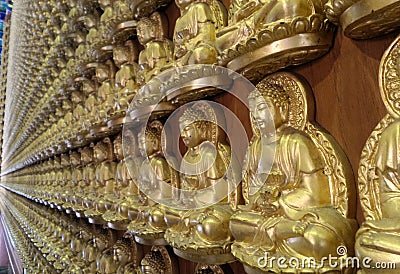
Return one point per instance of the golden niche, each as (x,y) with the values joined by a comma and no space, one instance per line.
(202,234)
(378,237)
(304,206)
(154,173)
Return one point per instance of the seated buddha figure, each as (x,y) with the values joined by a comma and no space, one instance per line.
(378,239)
(125,57)
(158,260)
(153,176)
(126,191)
(114,260)
(158,50)
(89,88)
(290,209)
(86,187)
(102,240)
(105,74)
(56,180)
(195,31)
(204,183)
(78,115)
(105,181)
(70,193)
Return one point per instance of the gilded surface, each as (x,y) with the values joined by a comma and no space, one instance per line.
(301,207)
(367,19)
(378,175)
(203,233)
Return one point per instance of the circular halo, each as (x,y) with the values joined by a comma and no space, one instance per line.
(389,78)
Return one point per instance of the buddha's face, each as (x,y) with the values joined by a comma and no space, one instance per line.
(99,155)
(129,140)
(147,144)
(102,73)
(191,136)
(120,56)
(146,33)
(118,149)
(264,112)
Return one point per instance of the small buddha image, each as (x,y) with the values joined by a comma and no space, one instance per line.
(125,58)
(158,50)
(86,187)
(203,179)
(378,238)
(105,74)
(154,179)
(126,193)
(195,31)
(154,173)
(100,199)
(289,209)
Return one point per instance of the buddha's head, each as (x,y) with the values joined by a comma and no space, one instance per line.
(150,141)
(270,103)
(87,154)
(120,55)
(75,157)
(153,263)
(198,124)
(103,150)
(102,72)
(118,147)
(146,30)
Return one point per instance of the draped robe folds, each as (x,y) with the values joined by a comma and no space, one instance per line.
(304,198)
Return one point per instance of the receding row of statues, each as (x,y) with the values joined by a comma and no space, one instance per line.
(303,207)
(93,57)
(64,146)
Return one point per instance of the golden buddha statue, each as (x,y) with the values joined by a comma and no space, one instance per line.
(56,181)
(70,194)
(89,88)
(195,31)
(125,194)
(87,187)
(125,57)
(293,210)
(102,240)
(154,179)
(247,44)
(202,234)
(105,74)
(78,114)
(114,260)
(105,181)
(158,51)
(377,240)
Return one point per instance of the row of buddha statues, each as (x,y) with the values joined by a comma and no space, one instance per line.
(76,174)
(52,242)
(74,83)
(3,74)
(304,206)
